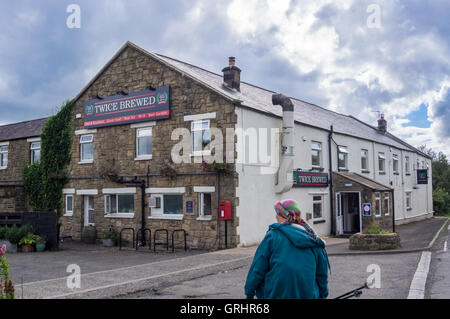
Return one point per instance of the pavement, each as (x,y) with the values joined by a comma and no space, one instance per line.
(110,273)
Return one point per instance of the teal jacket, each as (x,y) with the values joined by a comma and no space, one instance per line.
(288,264)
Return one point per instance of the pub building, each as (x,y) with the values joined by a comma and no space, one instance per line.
(345,174)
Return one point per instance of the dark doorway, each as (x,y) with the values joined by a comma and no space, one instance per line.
(350,212)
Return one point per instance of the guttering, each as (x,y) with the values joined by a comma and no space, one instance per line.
(330,135)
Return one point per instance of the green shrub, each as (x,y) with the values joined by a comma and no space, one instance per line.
(375,229)
(3,233)
(111,234)
(14,234)
(29,239)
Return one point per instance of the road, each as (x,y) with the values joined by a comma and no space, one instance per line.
(348,272)
(438,283)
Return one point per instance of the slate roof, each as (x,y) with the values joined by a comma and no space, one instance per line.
(260,99)
(21,130)
(365,181)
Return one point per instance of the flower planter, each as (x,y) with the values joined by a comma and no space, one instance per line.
(40,247)
(10,248)
(108,243)
(27,248)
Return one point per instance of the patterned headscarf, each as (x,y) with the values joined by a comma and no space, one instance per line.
(289,209)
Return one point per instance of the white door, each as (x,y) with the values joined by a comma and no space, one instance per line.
(339,219)
(88,210)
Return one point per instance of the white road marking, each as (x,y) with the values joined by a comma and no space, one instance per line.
(445,246)
(417,288)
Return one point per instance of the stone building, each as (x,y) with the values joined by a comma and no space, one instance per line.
(128,123)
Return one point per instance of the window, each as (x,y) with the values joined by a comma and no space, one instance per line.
(204,204)
(386,205)
(364,159)
(407,166)
(35,152)
(408,200)
(87,148)
(3,156)
(69,204)
(377,205)
(395,163)
(173,205)
(342,157)
(144,142)
(316,154)
(381,162)
(317,207)
(119,203)
(201,138)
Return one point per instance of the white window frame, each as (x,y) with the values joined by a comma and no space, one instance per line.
(387,196)
(158,213)
(408,195)
(378,199)
(91,136)
(319,150)
(69,212)
(202,152)
(367,159)
(316,201)
(395,160)
(143,156)
(343,150)
(382,156)
(117,214)
(4,149)
(35,146)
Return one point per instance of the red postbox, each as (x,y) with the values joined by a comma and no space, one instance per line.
(224,210)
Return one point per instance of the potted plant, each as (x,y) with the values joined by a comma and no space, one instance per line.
(40,244)
(110,238)
(28,241)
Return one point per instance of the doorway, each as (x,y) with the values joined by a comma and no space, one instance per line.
(88,210)
(348,213)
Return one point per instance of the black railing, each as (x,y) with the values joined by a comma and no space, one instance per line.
(157,243)
(146,230)
(173,238)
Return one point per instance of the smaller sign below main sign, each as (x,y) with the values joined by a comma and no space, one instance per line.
(422,176)
(189,207)
(367,209)
(310,179)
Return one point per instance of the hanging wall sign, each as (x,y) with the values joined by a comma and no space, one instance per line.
(310,179)
(135,107)
(367,209)
(422,176)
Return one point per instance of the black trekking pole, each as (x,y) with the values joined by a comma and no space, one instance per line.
(354,293)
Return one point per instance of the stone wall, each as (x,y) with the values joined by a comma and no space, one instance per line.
(115,151)
(374,242)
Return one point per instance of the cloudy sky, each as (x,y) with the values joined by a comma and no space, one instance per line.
(355,57)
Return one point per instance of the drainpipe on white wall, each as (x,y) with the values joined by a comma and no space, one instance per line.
(284,176)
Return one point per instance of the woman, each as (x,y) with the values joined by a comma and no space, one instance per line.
(291,261)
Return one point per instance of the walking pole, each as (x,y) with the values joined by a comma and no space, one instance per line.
(354,293)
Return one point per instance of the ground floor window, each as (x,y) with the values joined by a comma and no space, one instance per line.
(204,200)
(377,205)
(386,206)
(317,207)
(167,204)
(69,204)
(119,203)
(408,200)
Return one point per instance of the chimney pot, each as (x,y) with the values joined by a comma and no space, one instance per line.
(232,74)
(382,124)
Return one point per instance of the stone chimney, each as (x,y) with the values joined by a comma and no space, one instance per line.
(232,75)
(382,124)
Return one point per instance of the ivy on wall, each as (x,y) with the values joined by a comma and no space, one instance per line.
(44,181)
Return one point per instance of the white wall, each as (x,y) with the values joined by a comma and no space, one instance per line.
(256,190)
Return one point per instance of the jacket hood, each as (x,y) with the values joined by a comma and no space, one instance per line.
(298,237)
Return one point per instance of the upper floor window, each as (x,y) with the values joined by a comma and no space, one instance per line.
(316,154)
(87,148)
(201,137)
(364,160)
(3,156)
(35,152)
(395,163)
(407,165)
(342,157)
(381,162)
(144,142)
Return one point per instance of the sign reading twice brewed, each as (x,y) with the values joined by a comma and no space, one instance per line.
(135,107)
(310,179)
